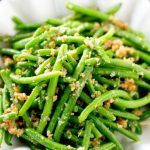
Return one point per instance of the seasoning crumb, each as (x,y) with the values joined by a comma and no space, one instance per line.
(129,85)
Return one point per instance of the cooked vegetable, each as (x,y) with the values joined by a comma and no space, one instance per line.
(69,83)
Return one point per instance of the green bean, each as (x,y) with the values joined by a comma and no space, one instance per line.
(8,51)
(71,60)
(34,42)
(70,39)
(138,129)
(72,138)
(116,72)
(68,66)
(141,43)
(102,111)
(25,64)
(70,105)
(96,132)
(89,12)
(54,21)
(43,66)
(114,83)
(5,98)
(59,109)
(99,87)
(1,130)
(21,43)
(132,66)
(12,115)
(25,56)
(143,56)
(87,133)
(106,113)
(99,101)
(92,61)
(28,27)
(52,89)
(27,120)
(106,132)
(124,114)
(30,99)
(142,84)
(45,141)
(80,66)
(17,20)
(114,9)
(67,80)
(34,79)
(66,94)
(133,103)
(108,146)
(47,52)
(78,50)
(8,138)
(5,74)
(98,33)
(126,132)
(90,87)
(21,36)
(145,115)
(85,98)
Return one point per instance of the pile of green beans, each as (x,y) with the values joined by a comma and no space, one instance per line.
(69,83)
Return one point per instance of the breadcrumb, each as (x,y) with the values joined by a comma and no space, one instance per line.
(137,112)
(81,148)
(124,51)
(95,142)
(122,122)
(15,88)
(96,26)
(54,98)
(20,96)
(8,61)
(116,44)
(107,104)
(74,85)
(82,75)
(120,24)
(129,85)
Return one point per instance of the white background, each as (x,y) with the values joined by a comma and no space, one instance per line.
(135,12)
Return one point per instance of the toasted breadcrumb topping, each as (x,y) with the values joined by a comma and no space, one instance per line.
(64,72)
(51,44)
(120,24)
(55,98)
(81,148)
(12,108)
(88,42)
(8,61)
(107,104)
(15,88)
(12,127)
(20,96)
(95,142)
(82,75)
(137,112)
(124,51)
(122,122)
(74,85)
(96,26)
(129,85)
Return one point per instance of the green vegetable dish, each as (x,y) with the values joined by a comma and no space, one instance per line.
(71,83)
